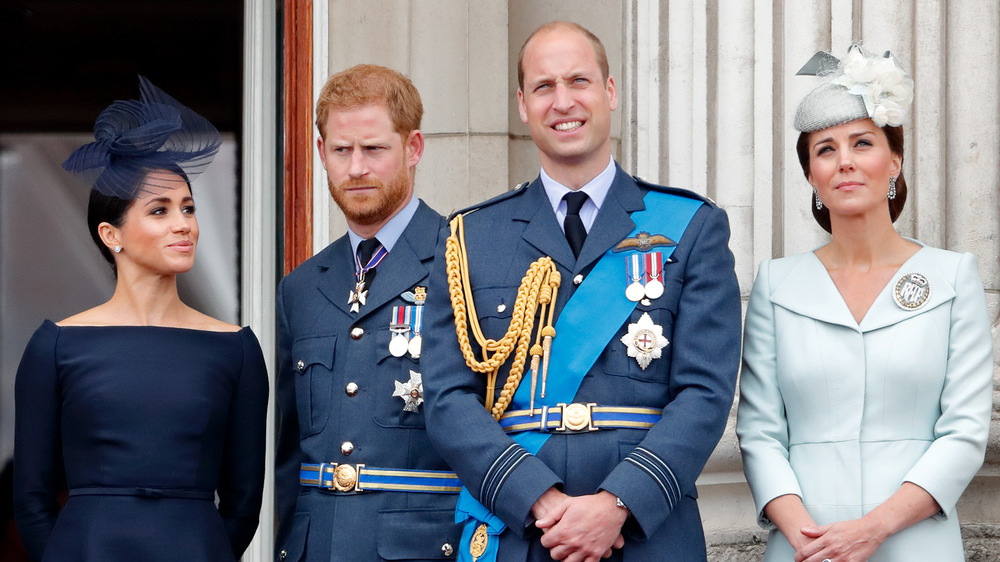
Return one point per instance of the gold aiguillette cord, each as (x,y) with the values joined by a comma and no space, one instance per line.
(539,287)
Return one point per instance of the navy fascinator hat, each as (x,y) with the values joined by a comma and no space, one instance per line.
(135,137)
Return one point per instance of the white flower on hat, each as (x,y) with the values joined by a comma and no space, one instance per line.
(881,82)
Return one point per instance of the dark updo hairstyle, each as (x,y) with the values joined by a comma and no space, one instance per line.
(111,209)
(822,216)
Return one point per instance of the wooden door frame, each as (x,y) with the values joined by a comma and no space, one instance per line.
(297,97)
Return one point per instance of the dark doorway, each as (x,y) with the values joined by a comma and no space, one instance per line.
(63,61)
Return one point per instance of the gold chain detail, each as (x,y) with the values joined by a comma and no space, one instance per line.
(539,287)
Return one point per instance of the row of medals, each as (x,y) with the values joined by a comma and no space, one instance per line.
(407,320)
(644,274)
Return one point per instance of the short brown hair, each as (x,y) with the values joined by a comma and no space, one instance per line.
(599,53)
(896,204)
(368,83)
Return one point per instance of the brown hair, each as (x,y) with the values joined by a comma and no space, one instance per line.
(368,83)
(822,216)
(602,56)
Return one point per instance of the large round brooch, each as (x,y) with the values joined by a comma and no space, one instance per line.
(912,291)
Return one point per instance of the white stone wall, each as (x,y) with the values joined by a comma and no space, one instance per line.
(707,94)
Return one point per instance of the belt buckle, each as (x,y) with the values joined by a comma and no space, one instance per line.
(576,417)
(344,477)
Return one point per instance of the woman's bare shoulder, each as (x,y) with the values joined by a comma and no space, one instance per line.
(201,321)
(100,315)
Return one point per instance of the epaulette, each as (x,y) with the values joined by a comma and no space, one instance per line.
(518,189)
(674,191)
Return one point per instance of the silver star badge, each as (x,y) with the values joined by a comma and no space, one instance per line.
(411,391)
(644,340)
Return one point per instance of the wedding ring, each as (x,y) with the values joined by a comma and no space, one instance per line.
(827,560)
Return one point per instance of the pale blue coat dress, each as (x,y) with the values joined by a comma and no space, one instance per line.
(841,413)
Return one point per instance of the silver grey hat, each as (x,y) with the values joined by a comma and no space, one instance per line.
(861,86)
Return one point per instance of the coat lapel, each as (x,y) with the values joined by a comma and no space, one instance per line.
(885,312)
(808,290)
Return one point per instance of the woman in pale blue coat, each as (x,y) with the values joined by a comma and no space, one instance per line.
(865,394)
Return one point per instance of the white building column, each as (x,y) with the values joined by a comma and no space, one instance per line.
(258,264)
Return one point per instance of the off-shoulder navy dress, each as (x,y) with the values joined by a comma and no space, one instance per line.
(145,425)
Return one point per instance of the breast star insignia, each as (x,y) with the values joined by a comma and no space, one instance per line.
(644,340)
(411,391)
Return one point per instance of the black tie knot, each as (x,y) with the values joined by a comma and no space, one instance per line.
(574,202)
(366,249)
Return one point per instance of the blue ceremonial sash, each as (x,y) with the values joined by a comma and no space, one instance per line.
(587,322)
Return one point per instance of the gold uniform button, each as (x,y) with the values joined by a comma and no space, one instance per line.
(357,332)
(578,279)
(351,389)
(301,365)
(447,549)
(347,447)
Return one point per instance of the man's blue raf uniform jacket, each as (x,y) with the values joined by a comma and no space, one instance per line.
(652,471)
(322,349)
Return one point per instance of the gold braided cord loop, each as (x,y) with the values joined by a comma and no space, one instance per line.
(538,287)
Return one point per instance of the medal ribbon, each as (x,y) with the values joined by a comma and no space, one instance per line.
(586,325)
(418,319)
(654,266)
(634,269)
(359,270)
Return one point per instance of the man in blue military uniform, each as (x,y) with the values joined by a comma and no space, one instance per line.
(357,478)
(598,320)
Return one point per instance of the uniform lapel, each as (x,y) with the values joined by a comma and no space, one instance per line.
(613,222)
(542,231)
(337,273)
(405,265)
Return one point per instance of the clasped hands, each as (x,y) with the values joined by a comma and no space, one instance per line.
(843,541)
(579,528)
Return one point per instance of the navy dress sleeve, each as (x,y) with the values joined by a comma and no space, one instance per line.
(38,468)
(241,478)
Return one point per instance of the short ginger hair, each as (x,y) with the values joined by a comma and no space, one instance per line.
(365,84)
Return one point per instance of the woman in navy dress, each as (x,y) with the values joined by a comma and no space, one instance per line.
(149,412)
